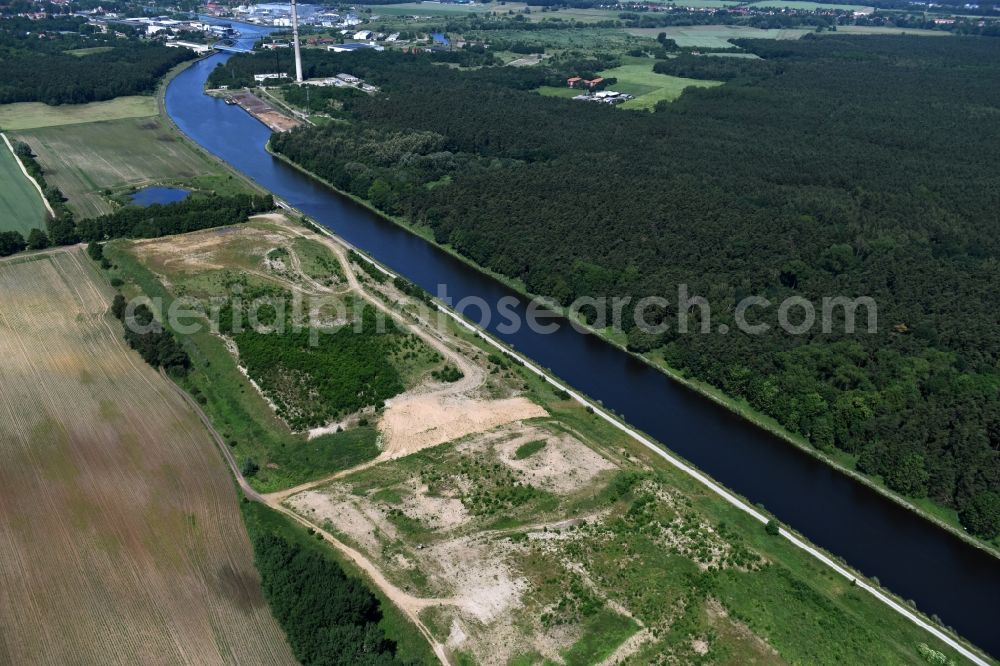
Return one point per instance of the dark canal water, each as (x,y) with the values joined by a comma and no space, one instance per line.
(909,555)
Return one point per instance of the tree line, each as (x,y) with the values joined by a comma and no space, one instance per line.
(143,333)
(191,214)
(35,65)
(327,617)
(846,166)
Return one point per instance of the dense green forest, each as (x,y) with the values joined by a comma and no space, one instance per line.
(315,384)
(328,618)
(192,214)
(35,65)
(854,166)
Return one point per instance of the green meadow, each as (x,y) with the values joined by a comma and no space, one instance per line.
(648,87)
(21,207)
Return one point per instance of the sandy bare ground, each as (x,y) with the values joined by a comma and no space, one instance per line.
(561,466)
(121,540)
(412,423)
(472,572)
(265,112)
(410,605)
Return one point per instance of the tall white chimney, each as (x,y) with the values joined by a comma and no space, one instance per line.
(295,42)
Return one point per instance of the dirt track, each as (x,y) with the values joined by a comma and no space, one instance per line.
(473,378)
(409,604)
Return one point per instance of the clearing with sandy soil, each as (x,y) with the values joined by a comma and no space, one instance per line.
(121,542)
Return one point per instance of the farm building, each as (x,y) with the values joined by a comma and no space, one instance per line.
(580,82)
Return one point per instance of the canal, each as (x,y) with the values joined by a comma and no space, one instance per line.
(910,556)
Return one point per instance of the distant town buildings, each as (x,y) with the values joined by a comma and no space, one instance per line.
(345,48)
(261,78)
(194,46)
(342,81)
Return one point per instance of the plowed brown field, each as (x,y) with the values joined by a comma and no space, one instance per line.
(120,536)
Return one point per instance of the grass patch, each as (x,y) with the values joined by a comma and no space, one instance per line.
(648,87)
(92,163)
(602,633)
(559,91)
(529,449)
(91,50)
(317,262)
(717,36)
(21,207)
(32,115)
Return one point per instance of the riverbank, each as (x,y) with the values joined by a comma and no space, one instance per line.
(161,107)
(935,514)
(904,608)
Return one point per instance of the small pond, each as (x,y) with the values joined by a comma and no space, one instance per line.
(158,195)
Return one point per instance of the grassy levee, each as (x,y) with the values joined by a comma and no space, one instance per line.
(237,410)
(122,539)
(21,207)
(939,515)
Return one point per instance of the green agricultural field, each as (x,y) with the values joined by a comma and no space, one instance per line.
(21,207)
(586,39)
(717,36)
(31,115)
(90,161)
(648,87)
(571,14)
